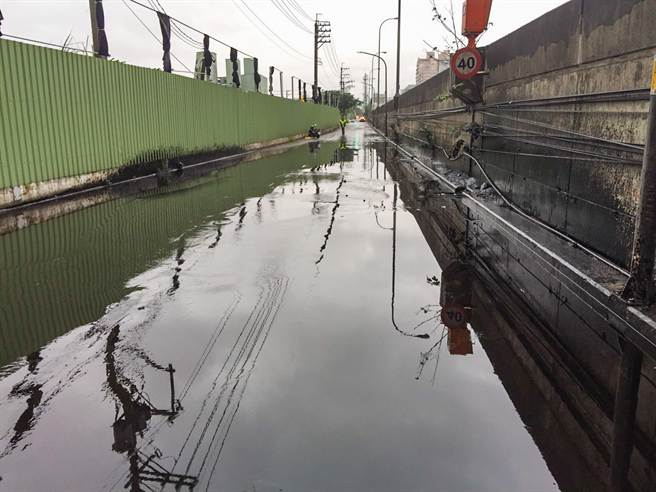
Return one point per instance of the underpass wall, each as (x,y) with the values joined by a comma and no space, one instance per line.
(564,117)
(564,344)
(69,120)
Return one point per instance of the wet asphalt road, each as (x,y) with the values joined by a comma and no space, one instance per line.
(268,288)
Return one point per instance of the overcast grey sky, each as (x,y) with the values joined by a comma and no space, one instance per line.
(354,26)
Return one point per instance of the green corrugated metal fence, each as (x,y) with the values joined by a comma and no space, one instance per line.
(64,115)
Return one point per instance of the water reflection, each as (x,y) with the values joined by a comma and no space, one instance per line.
(285,379)
(51,270)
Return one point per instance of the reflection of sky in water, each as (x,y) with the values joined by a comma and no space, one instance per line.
(332,402)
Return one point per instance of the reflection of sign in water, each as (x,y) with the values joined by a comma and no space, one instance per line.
(455,316)
(460,342)
(456,301)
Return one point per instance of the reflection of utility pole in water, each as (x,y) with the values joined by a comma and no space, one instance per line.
(455,299)
(137,411)
(34,393)
(396,327)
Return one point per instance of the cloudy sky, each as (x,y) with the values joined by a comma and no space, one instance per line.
(273,30)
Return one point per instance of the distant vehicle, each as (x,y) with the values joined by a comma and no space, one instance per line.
(362,119)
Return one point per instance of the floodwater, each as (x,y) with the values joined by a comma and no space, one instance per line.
(269,287)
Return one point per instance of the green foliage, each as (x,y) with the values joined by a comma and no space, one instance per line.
(426,133)
(348,103)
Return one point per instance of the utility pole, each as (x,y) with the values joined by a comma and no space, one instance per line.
(321,36)
(282,92)
(398,60)
(345,81)
(97,14)
(640,287)
(341,78)
(371,83)
(365,81)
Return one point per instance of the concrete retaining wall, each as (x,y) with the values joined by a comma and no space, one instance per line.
(580,71)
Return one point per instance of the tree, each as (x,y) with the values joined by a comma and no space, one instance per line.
(347,103)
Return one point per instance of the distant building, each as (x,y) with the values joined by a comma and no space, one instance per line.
(408,88)
(199,72)
(246,79)
(381,97)
(431,65)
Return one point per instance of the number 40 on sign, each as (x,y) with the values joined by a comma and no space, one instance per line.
(466,62)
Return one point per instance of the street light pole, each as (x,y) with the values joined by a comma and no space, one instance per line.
(385,65)
(371,81)
(398,60)
(378,62)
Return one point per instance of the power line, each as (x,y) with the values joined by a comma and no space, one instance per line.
(334,60)
(289,14)
(159,41)
(189,27)
(176,30)
(268,28)
(300,10)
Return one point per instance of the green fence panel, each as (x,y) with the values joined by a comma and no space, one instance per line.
(64,115)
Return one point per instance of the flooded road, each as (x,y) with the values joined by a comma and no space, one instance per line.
(292,300)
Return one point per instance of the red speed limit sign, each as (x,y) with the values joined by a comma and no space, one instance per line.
(455,316)
(466,63)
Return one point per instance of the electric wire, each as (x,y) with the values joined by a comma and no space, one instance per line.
(175,29)
(266,26)
(273,317)
(514,207)
(284,9)
(638,148)
(515,234)
(300,10)
(150,31)
(257,308)
(147,7)
(245,355)
(561,148)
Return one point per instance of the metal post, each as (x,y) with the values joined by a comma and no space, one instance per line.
(316,58)
(626,401)
(98,36)
(94,25)
(640,287)
(378,81)
(371,81)
(386,106)
(292,87)
(282,93)
(380,58)
(170,370)
(398,60)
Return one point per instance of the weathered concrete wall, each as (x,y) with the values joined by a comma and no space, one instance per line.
(557,332)
(580,71)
